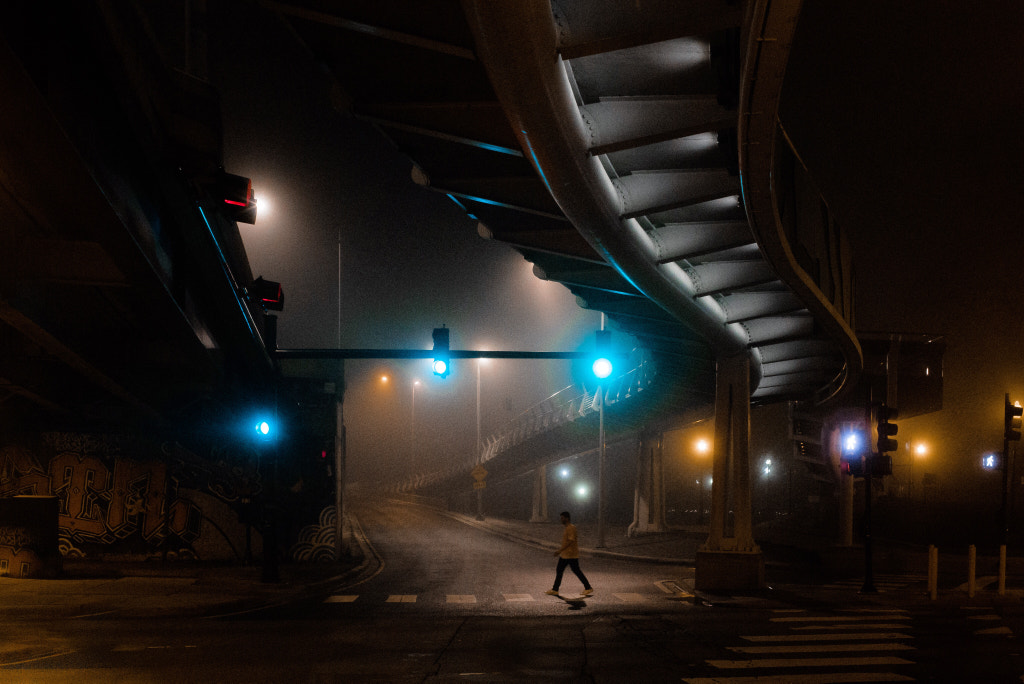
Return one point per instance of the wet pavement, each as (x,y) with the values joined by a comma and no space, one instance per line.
(825,574)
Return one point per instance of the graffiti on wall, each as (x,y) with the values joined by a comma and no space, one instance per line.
(113,496)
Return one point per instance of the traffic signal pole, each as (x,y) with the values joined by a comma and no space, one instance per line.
(420,354)
(869,569)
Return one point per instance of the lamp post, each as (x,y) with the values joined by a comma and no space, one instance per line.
(479,449)
(919,450)
(412,429)
(702,447)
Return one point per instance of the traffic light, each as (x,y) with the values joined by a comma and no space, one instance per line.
(886,429)
(851,453)
(264,429)
(268,293)
(236,198)
(603,366)
(442,356)
(1011,421)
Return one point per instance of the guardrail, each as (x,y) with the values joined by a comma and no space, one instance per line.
(564,406)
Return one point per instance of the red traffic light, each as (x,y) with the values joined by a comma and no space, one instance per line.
(268,293)
(237,200)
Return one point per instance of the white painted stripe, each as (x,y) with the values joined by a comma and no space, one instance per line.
(807,662)
(836,618)
(348,598)
(846,636)
(830,678)
(996,631)
(855,625)
(461,598)
(821,648)
(401,598)
(983,617)
(630,598)
(518,597)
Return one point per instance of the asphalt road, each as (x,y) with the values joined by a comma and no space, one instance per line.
(451,603)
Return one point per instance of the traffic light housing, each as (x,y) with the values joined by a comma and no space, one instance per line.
(881,465)
(851,451)
(886,429)
(236,198)
(603,366)
(1011,421)
(268,293)
(441,364)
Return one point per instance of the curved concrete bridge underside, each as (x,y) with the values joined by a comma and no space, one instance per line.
(630,151)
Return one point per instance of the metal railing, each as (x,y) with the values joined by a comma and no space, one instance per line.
(564,406)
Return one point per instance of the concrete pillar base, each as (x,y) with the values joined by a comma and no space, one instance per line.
(729,571)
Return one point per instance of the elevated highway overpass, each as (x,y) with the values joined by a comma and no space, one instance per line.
(631,152)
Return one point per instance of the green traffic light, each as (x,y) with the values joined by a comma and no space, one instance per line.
(602,368)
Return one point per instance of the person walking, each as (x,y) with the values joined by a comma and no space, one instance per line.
(569,555)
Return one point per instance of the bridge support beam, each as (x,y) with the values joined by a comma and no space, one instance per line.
(649,494)
(730,560)
(540,496)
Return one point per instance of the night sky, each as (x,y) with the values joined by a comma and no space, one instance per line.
(908,119)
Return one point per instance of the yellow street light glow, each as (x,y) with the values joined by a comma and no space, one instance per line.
(703,446)
(921,449)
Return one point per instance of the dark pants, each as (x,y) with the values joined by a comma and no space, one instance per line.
(574,565)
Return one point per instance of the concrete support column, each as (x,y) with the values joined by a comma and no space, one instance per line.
(540,496)
(649,493)
(729,559)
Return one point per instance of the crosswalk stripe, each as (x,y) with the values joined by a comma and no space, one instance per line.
(461,598)
(858,625)
(518,597)
(341,599)
(401,598)
(829,678)
(630,598)
(836,618)
(807,662)
(846,636)
(820,648)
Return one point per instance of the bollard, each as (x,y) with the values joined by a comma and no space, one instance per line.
(972,567)
(1002,570)
(933,571)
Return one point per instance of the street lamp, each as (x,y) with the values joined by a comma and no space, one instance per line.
(919,450)
(702,447)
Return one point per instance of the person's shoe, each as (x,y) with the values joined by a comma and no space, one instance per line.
(551,592)
(586,592)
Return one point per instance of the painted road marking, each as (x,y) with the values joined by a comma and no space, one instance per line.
(348,598)
(461,598)
(401,598)
(820,648)
(830,678)
(808,662)
(847,636)
(518,597)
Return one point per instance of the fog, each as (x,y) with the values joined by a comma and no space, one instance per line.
(345,218)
